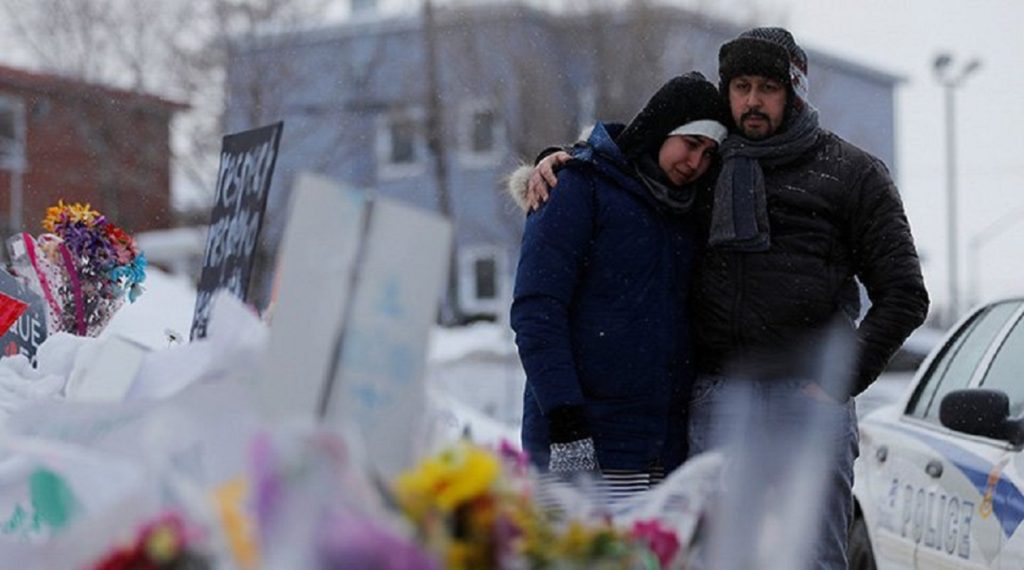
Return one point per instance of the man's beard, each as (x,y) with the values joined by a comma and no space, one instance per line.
(760,134)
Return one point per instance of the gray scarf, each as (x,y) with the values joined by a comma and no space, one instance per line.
(739,218)
(672,199)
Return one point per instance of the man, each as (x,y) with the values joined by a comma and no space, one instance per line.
(796,213)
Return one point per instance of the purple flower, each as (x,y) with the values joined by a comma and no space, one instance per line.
(349,541)
(512,455)
(266,479)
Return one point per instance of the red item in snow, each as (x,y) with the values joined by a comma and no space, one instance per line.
(11,310)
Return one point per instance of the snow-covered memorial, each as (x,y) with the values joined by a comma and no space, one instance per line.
(302,438)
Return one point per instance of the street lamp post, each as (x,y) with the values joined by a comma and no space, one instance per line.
(950,79)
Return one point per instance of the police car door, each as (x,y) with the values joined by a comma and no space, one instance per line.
(936,475)
(1002,499)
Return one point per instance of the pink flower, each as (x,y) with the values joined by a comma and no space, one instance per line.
(512,455)
(662,542)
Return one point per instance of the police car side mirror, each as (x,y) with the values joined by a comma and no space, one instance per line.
(981,412)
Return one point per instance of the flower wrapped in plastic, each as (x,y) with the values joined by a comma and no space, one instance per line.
(477,509)
(84,266)
(168,542)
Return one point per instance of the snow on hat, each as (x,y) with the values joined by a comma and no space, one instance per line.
(709,128)
(680,101)
(769,52)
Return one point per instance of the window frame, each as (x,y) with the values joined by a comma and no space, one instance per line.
(362,8)
(16,160)
(387,168)
(1017,319)
(468,301)
(964,327)
(467,155)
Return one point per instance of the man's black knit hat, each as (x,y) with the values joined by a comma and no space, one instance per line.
(683,99)
(769,52)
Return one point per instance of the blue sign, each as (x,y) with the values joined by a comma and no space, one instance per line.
(29,331)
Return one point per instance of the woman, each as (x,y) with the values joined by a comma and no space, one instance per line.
(600,304)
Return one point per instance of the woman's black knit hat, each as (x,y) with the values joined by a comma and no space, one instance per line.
(683,99)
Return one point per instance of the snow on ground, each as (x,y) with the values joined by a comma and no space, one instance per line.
(478,365)
(474,368)
(167,304)
(477,339)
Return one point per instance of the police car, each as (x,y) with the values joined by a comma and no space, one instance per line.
(940,479)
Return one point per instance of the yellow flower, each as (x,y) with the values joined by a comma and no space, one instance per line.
(538,535)
(162,545)
(75,213)
(462,555)
(447,480)
(580,542)
(229,499)
(576,541)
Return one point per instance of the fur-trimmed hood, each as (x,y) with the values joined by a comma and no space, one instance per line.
(517,185)
(518,182)
(596,139)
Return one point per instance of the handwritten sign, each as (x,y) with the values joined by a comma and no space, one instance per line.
(378,384)
(246,166)
(29,330)
(314,286)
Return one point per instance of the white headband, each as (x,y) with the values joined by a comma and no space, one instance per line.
(704,127)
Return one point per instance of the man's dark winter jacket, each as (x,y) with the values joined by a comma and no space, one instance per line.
(601,313)
(833,213)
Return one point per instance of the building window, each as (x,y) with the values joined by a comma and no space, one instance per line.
(482,138)
(400,146)
(402,150)
(363,7)
(12,134)
(483,280)
(480,134)
(485,277)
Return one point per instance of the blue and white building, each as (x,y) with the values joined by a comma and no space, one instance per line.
(512,79)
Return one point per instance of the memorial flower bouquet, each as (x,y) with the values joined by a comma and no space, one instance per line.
(315,507)
(165,543)
(85,267)
(475,508)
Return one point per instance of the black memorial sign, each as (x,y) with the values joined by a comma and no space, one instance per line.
(29,331)
(246,166)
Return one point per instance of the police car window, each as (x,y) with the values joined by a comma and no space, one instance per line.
(955,366)
(1006,372)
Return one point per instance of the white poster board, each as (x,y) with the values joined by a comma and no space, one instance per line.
(378,385)
(317,262)
(109,374)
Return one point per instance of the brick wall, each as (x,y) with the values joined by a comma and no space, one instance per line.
(97,146)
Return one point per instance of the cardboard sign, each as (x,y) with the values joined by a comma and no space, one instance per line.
(378,384)
(314,278)
(29,330)
(349,330)
(246,166)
